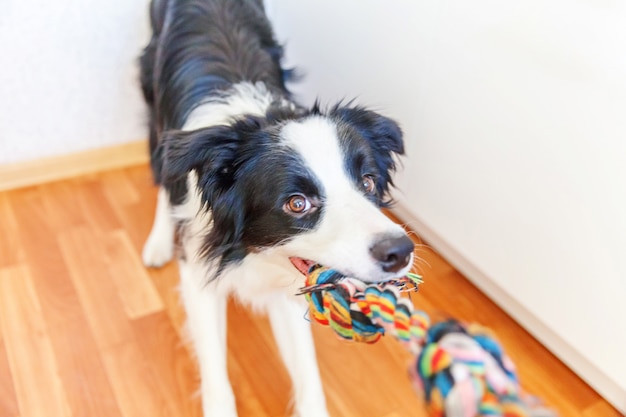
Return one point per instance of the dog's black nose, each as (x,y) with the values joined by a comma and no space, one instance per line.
(393,253)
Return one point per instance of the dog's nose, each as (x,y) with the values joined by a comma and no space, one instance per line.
(393,253)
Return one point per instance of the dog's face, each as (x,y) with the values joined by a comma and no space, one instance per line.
(309,187)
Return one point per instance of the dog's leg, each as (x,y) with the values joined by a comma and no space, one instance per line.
(206,322)
(159,247)
(295,342)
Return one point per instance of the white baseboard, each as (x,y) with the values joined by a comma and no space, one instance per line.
(23,174)
(604,385)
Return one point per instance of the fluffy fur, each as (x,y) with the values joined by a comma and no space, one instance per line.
(249,181)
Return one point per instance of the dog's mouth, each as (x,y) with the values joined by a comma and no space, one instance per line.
(302,265)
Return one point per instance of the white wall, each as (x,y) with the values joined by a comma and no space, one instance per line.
(68,76)
(515,117)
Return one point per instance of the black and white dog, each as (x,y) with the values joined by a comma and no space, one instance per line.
(255,187)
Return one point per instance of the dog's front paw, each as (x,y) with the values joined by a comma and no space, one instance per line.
(312,412)
(311,408)
(219,408)
(158,250)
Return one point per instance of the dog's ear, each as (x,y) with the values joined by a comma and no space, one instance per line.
(215,154)
(212,152)
(209,150)
(382,133)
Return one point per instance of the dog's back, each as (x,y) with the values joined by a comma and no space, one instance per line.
(198,50)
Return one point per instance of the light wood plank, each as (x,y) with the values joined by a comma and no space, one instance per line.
(171,365)
(8,399)
(257,373)
(82,372)
(136,217)
(35,372)
(62,204)
(118,187)
(363,370)
(601,409)
(96,208)
(80,367)
(37,234)
(83,255)
(166,282)
(135,385)
(134,286)
(22,174)
(11,251)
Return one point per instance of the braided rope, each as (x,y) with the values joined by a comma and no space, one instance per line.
(461,370)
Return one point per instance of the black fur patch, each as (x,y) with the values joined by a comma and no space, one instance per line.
(199,49)
(369,143)
(246,176)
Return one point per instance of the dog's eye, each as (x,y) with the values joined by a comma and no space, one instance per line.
(368,184)
(297,204)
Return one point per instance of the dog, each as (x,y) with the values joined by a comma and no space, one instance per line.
(254,188)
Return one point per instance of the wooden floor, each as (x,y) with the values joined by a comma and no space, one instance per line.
(87,331)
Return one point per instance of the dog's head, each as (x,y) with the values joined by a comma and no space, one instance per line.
(308,186)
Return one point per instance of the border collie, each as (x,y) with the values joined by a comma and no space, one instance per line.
(253,187)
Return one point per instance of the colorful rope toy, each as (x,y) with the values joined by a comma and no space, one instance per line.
(461,370)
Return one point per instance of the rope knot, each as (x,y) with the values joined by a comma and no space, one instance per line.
(461,369)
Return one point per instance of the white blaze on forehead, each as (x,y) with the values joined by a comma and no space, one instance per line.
(351,223)
(315,139)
